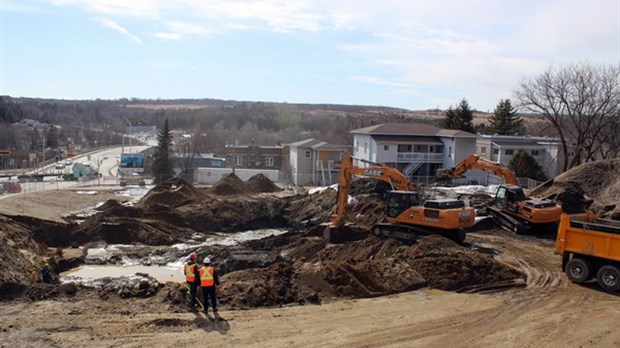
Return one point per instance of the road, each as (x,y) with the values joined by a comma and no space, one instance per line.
(105,160)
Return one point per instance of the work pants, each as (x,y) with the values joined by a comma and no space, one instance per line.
(209,291)
(193,287)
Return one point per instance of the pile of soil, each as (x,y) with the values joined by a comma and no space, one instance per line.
(231,184)
(171,193)
(260,183)
(591,186)
(20,254)
(308,270)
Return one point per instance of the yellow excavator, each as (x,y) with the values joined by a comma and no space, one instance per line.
(511,209)
(407,216)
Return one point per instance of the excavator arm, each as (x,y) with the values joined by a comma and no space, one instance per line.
(380,172)
(476,162)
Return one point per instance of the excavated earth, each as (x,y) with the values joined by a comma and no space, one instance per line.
(502,289)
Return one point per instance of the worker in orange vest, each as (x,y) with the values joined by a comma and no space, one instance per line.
(190,268)
(208,281)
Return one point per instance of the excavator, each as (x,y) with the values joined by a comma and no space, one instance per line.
(511,209)
(408,218)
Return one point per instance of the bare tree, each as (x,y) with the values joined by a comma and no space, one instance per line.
(580,101)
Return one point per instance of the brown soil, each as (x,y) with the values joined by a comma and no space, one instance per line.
(591,186)
(528,300)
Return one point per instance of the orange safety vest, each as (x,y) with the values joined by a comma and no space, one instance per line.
(190,276)
(206,276)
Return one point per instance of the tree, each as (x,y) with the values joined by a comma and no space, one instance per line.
(525,166)
(581,102)
(460,118)
(162,166)
(505,120)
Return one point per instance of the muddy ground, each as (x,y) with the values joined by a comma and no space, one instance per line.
(502,289)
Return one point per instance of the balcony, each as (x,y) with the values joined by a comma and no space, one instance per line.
(419,157)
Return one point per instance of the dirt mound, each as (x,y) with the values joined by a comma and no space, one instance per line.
(260,183)
(20,253)
(307,269)
(171,194)
(590,186)
(109,204)
(366,186)
(229,185)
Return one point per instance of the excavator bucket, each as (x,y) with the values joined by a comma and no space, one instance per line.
(342,234)
(444,175)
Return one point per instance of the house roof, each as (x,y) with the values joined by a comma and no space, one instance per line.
(411,129)
(317,144)
(408,139)
(523,142)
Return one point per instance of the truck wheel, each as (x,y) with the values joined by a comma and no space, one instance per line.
(520,228)
(578,270)
(609,278)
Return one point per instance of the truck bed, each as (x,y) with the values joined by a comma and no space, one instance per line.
(588,235)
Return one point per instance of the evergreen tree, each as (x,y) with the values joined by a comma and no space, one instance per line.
(525,166)
(450,121)
(505,120)
(162,166)
(460,118)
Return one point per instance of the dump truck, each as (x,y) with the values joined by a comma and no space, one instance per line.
(407,216)
(512,210)
(590,248)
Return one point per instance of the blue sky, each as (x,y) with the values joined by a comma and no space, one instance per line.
(410,54)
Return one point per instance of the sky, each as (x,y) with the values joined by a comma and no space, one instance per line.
(407,54)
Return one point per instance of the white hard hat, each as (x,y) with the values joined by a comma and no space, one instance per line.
(207,260)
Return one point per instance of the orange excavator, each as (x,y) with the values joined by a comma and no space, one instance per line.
(407,216)
(511,209)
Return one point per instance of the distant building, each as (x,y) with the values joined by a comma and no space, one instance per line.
(27,123)
(501,148)
(253,156)
(417,150)
(315,162)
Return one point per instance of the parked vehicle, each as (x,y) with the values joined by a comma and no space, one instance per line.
(11,187)
(590,248)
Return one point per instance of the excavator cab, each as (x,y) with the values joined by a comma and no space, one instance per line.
(509,196)
(399,201)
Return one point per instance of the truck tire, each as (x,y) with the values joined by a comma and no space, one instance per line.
(578,270)
(609,278)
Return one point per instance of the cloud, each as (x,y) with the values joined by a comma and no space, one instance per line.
(108,23)
(169,36)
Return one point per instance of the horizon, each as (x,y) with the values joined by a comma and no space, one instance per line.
(410,55)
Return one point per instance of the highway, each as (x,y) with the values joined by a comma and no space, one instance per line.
(105,161)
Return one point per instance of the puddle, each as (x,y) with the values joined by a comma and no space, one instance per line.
(93,272)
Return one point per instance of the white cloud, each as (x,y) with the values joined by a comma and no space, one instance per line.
(187,28)
(108,23)
(169,36)
(379,81)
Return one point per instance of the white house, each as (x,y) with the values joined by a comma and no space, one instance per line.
(417,150)
(315,162)
(501,148)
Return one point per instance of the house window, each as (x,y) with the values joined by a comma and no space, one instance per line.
(365,148)
(449,150)
(386,147)
(404,148)
(268,161)
(483,150)
(307,153)
(510,152)
(496,151)
(535,152)
(238,160)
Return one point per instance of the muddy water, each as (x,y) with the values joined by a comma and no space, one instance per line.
(92,272)
(171,271)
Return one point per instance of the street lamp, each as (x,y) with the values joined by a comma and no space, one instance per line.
(123,146)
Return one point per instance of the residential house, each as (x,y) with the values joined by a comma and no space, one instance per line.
(254,156)
(501,148)
(315,162)
(417,150)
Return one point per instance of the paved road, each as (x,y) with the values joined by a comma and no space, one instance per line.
(106,160)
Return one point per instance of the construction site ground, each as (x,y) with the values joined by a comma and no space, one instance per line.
(294,289)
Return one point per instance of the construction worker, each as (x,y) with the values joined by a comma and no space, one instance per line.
(208,282)
(190,268)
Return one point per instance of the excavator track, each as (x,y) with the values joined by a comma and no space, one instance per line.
(507,222)
(413,233)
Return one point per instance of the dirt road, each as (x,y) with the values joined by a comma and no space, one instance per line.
(547,311)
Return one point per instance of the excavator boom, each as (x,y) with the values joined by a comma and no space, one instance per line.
(476,162)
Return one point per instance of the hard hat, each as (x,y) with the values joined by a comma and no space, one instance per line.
(193,256)
(207,260)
